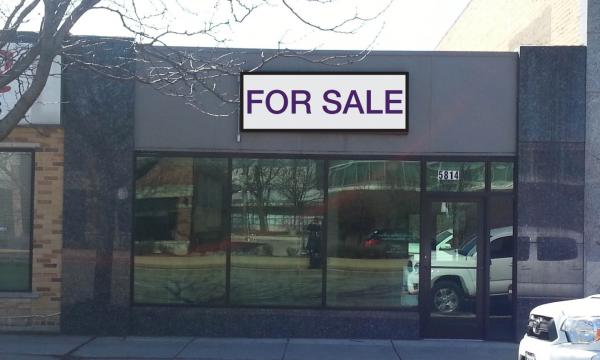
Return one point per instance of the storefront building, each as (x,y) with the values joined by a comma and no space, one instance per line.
(176,222)
(405,195)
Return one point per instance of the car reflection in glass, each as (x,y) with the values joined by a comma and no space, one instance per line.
(454,271)
(385,243)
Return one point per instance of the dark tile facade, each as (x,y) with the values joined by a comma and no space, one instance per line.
(276,323)
(592,148)
(551,171)
(98,121)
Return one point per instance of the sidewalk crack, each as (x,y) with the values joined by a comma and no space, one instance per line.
(395,350)
(184,347)
(287,341)
(74,350)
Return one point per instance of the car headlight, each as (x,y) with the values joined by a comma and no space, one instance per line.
(416,268)
(582,330)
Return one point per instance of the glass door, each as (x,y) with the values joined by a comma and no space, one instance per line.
(452,268)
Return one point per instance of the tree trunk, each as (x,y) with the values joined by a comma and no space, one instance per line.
(262,215)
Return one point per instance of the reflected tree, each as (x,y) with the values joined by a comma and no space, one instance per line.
(256,179)
(260,183)
(295,182)
(13,189)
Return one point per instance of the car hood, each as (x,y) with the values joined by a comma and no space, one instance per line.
(447,257)
(589,306)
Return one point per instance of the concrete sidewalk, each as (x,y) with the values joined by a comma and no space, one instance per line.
(42,347)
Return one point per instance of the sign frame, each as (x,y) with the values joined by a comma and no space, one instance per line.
(46,110)
(404,131)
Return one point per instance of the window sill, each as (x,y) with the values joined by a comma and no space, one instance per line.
(19,295)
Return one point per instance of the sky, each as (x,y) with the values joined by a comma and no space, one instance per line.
(401,24)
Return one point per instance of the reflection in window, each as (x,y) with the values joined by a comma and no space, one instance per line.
(455,176)
(399,175)
(502,245)
(179,230)
(373,230)
(502,175)
(454,258)
(276,224)
(15,220)
(185,209)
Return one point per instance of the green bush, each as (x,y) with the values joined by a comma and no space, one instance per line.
(267,250)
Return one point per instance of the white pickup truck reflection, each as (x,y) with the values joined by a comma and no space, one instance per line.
(453,272)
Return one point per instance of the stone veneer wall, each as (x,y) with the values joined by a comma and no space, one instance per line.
(504,25)
(551,174)
(99,150)
(40,309)
(592,154)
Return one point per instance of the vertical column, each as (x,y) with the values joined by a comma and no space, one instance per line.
(98,121)
(592,153)
(550,198)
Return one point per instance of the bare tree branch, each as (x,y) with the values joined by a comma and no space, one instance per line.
(9,26)
(339,27)
(68,23)
(14,13)
(186,73)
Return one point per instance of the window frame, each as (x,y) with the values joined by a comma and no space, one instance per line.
(32,153)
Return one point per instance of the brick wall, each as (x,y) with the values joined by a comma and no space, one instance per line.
(39,310)
(492,25)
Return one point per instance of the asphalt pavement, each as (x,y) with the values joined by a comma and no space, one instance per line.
(48,347)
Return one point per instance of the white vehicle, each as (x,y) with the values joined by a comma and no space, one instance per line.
(442,241)
(565,330)
(453,272)
(544,251)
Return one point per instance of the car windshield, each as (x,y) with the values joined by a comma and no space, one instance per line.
(391,235)
(443,236)
(468,248)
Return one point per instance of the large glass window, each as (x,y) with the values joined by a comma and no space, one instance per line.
(372,231)
(276,232)
(15,221)
(502,175)
(253,231)
(502,245)
(180,232)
